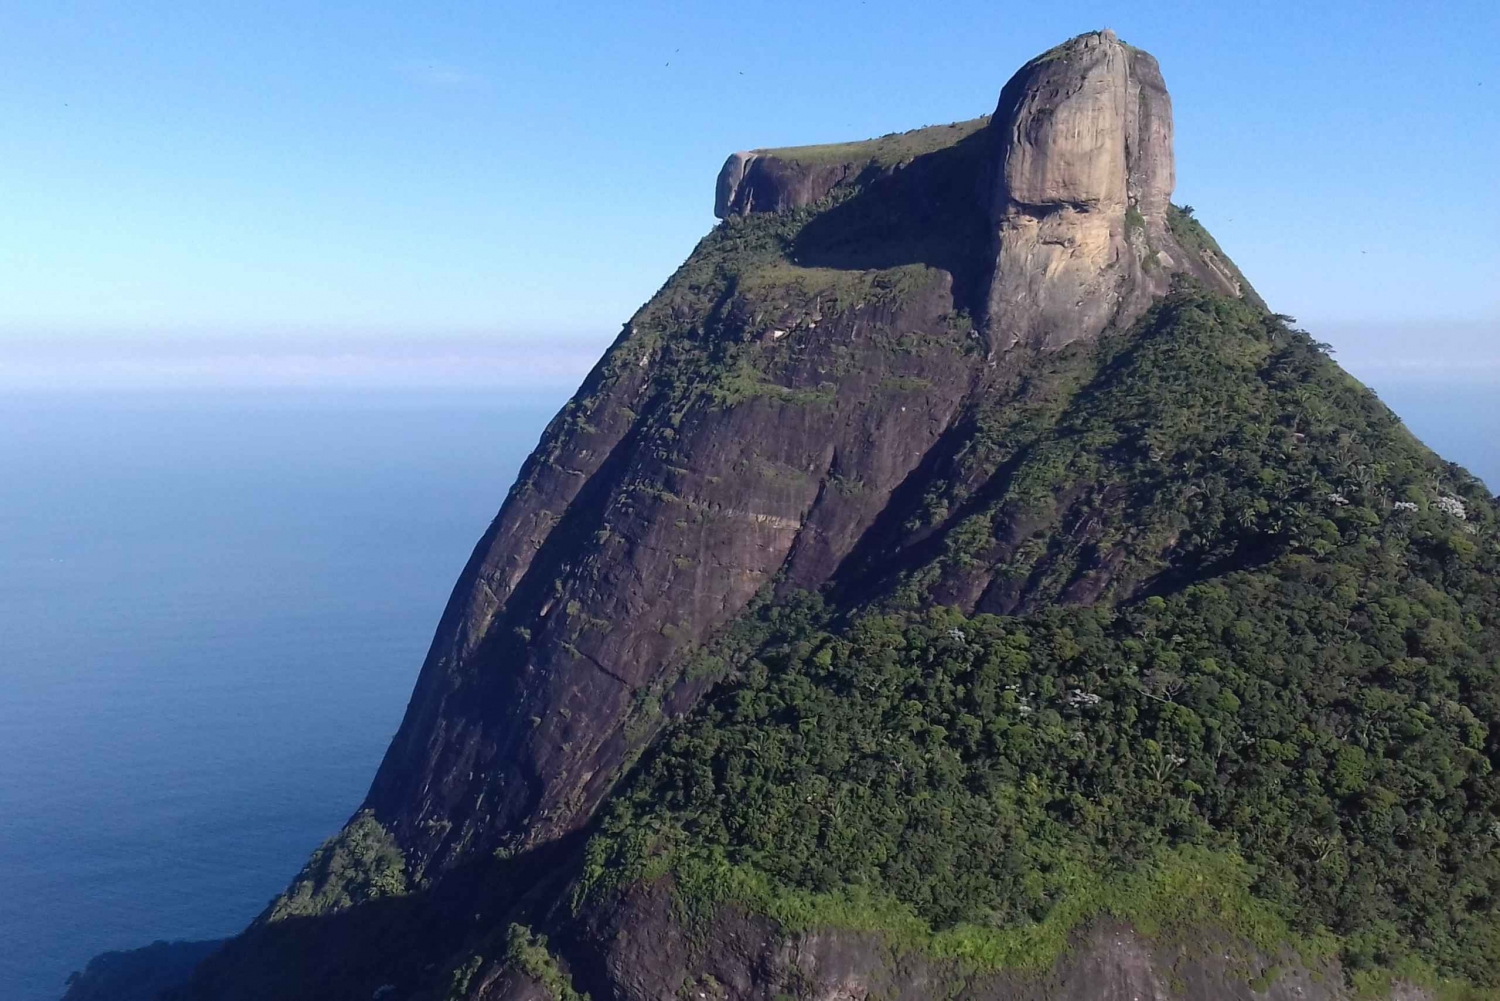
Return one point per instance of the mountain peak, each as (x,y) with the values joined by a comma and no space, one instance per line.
(1071,135)
(921,551)
(1074,184)
(1082,184)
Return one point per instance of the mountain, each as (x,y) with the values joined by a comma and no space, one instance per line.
(138,974)
(955,581)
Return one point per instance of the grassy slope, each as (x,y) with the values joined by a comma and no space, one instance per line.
(886,151)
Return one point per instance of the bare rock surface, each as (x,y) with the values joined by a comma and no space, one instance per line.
(1080,186)
(795,177)
(1083,182)
(645,521)
(634,532)
(763,182)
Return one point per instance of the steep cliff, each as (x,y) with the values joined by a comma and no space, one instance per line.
(1083,181)
(718,445)
(994,563)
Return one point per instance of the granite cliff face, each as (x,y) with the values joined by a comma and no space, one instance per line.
(924,370)
(1082,187)
(649,517)
(758,182)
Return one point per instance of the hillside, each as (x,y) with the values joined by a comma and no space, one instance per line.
(954,582)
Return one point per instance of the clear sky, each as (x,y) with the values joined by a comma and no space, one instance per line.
(323,177)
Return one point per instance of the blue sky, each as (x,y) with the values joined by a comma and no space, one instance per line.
(332,180)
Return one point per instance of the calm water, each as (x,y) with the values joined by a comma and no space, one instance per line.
(1462,422)
(211,615)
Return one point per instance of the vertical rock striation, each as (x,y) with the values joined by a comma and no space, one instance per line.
(1083,178)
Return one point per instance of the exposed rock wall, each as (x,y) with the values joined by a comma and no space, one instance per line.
(1083,155)
(645,520)
(639,951)
(772,419)
(1081,182)
(761,182)
(633,533)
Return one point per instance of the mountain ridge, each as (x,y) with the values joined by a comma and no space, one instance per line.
(966,440)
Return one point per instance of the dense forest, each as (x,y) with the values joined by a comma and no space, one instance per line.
(1310,720)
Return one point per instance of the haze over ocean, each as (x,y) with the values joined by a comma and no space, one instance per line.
(538,170)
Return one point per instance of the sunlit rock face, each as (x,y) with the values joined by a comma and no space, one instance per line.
(1082,179)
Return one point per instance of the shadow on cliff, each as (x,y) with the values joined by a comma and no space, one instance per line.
(515,788)
(138,974)
(903,540)
(409,942)
(932,210)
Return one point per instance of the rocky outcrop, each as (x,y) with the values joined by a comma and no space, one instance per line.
(762,182)
(774,419)
(781,180)
(659,502)
(652,512)
(640,951)
(1082,186)
(1080,181)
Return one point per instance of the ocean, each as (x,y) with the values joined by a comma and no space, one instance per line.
(1460,421)
(212,611)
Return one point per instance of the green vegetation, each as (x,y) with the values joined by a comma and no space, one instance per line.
(1210,438)
(1181,627)
(726,326)
(359,863)
(733,324)
(886,151)
(1247,672)
(528,953)
(1279,716)
(458,985)
(744,382)
(1173,896)
(1195,239)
